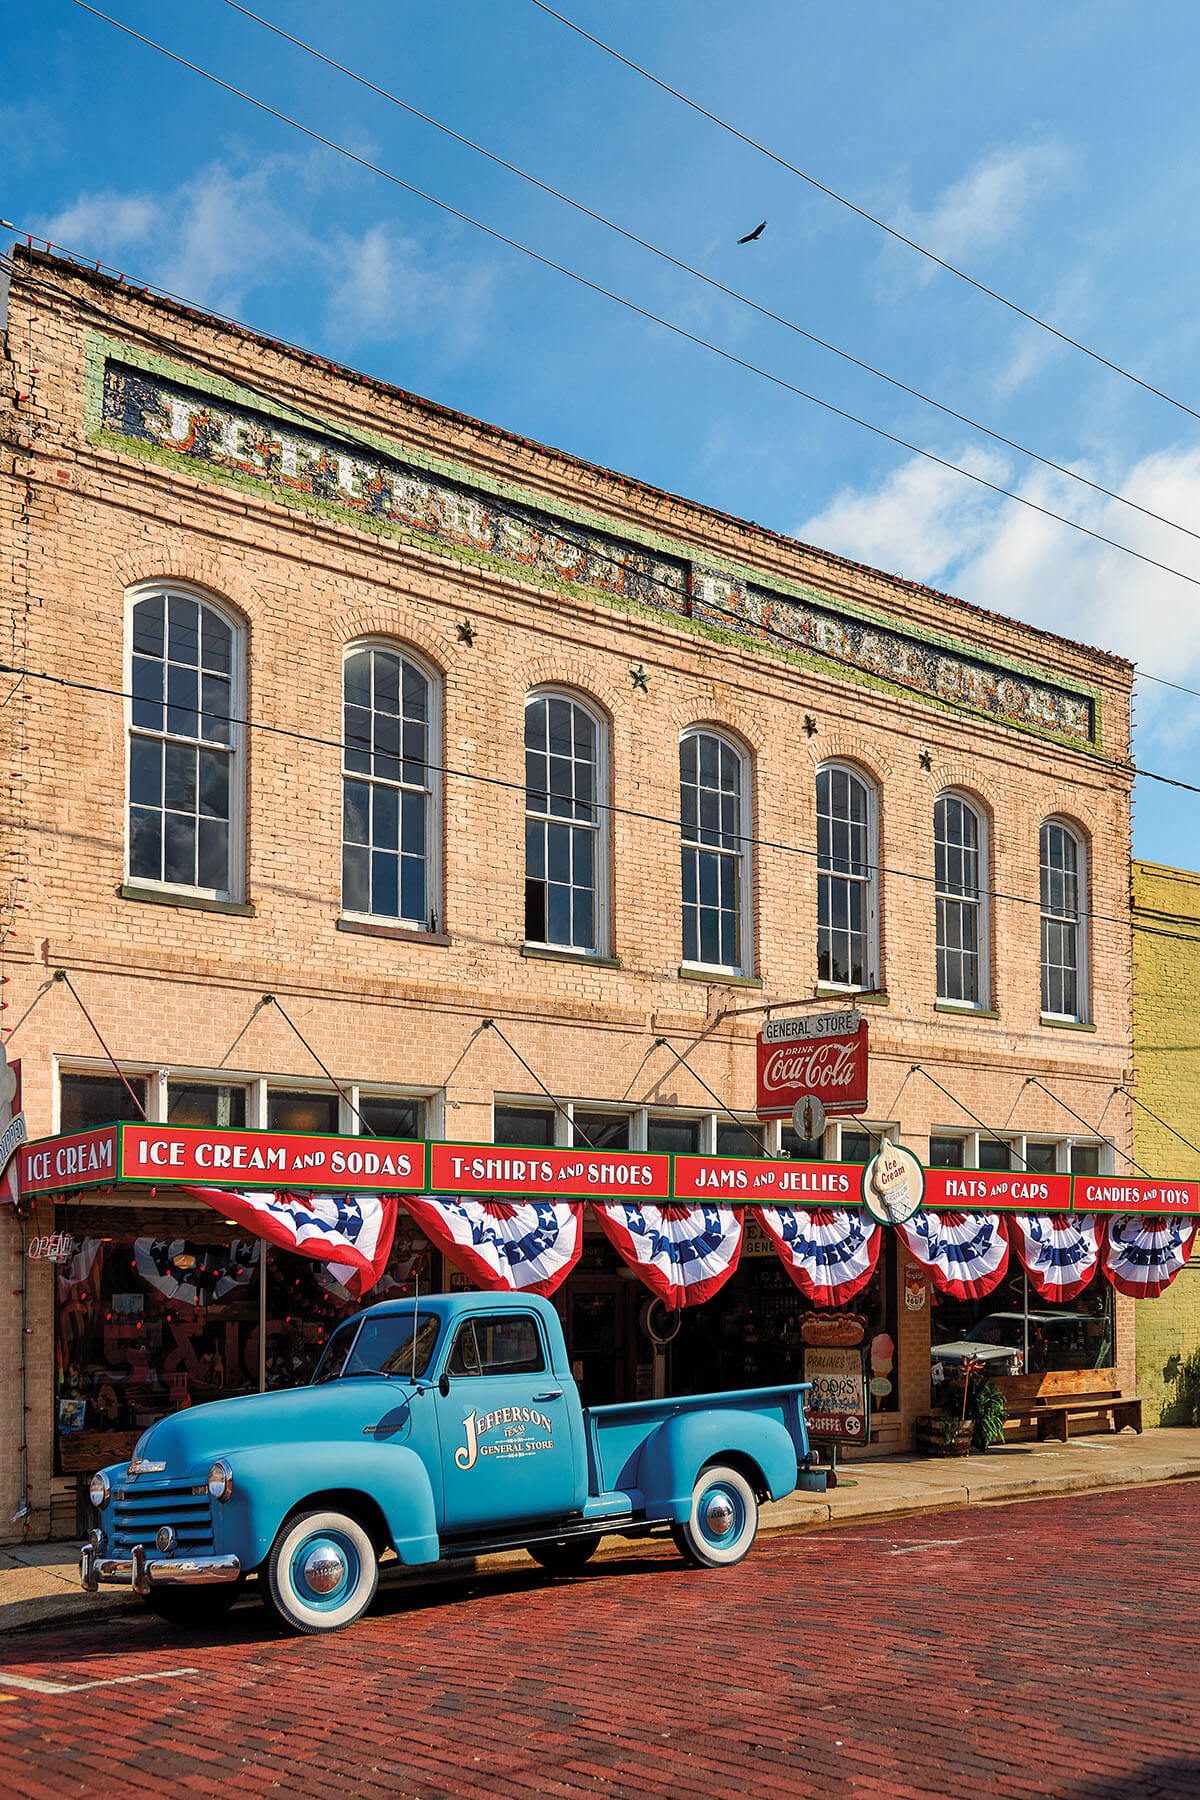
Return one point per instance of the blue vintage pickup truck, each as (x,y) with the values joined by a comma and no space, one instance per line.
(436,1429)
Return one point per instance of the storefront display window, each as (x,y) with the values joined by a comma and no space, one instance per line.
(152,1315)
(1014,1331)
(391,1115)
(602,1130)
(523,1125)
(737,1139)
(667,1134)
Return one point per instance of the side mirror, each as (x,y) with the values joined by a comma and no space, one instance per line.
(443,1384)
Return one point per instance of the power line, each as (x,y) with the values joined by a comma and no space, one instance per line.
(832,194)
(710,281)
(644,312)
(605,806)
(45,285)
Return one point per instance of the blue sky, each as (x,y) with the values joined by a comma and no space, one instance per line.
(1050,151)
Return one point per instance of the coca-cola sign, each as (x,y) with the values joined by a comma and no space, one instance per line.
(824,1056)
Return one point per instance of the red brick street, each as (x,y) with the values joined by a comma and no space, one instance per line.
(1045,1648)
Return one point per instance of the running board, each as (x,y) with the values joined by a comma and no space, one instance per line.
(620,1526)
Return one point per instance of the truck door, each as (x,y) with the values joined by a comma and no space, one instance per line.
(505,1427)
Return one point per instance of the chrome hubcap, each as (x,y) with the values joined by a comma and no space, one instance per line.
(324,1569)
(719,1515)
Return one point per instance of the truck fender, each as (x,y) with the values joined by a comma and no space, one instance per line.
(271,1481)
(673,1455)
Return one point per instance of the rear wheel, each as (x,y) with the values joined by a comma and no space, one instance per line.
(322,1572)
(565,1556)
(723,1519)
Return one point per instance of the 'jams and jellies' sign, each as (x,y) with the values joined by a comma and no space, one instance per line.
(825,1056)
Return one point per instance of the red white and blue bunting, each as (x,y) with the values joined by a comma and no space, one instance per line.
(353,1232)
(526,1247)
(1142,1256)
(964,1254)
(829,1252)
(682,1253)
(1060,1251)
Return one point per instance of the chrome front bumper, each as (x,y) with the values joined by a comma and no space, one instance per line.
(143,1569)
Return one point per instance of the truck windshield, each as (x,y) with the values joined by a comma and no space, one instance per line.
(387,1345)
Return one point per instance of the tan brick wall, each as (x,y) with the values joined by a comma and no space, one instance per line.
(170,985)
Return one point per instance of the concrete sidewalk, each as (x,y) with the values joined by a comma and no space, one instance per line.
(39,1584)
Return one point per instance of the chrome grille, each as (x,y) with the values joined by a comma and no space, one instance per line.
(137,1514)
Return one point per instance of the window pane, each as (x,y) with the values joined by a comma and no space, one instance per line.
(736,1139)
(206,1103)
(145,771)
(145,843)
(947,1153)
(183,630)
(216,643)
(993,1155)
(1085,1159)
(214,783)
(856,1146)
(212,854)
(290,1110)
(602,1130)
(1041,1159)
(509,1346)
(389,1115)
(666,1134)
(801,1149)
(179,849)
(356,878)
(524,1125)
(148,626)
(90,1100)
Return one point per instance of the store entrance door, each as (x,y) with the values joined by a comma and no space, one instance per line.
(599,1312)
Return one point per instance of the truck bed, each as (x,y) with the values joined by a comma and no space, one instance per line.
(615,1434)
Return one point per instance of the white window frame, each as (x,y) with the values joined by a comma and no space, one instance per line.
(602,837)
(982,1002)
(1083,1010)
(871,983)
(236,748)
(434,758)
(743,854)
(1018,1142)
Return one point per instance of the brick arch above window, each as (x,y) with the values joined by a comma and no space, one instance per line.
(404,629)
(568,673)
(226,584)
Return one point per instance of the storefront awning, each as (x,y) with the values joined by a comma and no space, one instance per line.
(511,1217)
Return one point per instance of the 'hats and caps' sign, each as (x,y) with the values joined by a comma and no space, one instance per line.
(825,1056)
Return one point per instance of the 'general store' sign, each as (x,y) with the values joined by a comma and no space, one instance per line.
(825,1056)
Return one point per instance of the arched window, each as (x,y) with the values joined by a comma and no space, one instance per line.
(185,749)
(565,826)
(714,848)
(389,836)
(1064,906)
(847,894)
(960,882)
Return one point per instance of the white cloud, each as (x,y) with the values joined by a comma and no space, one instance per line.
(239,225)
(388,285)
(933,526)
(116,221)
(984,208)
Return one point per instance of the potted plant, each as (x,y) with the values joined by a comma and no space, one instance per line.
(971,1414)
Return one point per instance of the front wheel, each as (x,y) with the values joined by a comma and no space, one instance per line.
(565,1556)
(723,1520)
(322,1572)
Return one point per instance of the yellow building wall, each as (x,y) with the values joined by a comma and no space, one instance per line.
(1166,1042)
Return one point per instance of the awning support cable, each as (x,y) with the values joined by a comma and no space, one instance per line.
(61,975)
(1032,1081)
(270,1000)
(916,1069)
(1147,1109)
(557,1104)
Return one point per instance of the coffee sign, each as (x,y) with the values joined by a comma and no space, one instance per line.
(823,1058)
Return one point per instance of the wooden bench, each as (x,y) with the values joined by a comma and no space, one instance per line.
(1053,1416)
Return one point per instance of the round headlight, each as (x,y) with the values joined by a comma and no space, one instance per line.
(220,1480)
(99,1488)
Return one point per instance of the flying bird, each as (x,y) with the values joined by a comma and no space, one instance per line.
(752,235)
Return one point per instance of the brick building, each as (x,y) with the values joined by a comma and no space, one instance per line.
(535,667)
(1166,992)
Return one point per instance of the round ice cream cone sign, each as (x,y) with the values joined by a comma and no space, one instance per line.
(808,1117)
(893,1185)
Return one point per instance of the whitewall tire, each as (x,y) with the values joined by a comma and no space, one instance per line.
(723,1520)
(322,1572)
